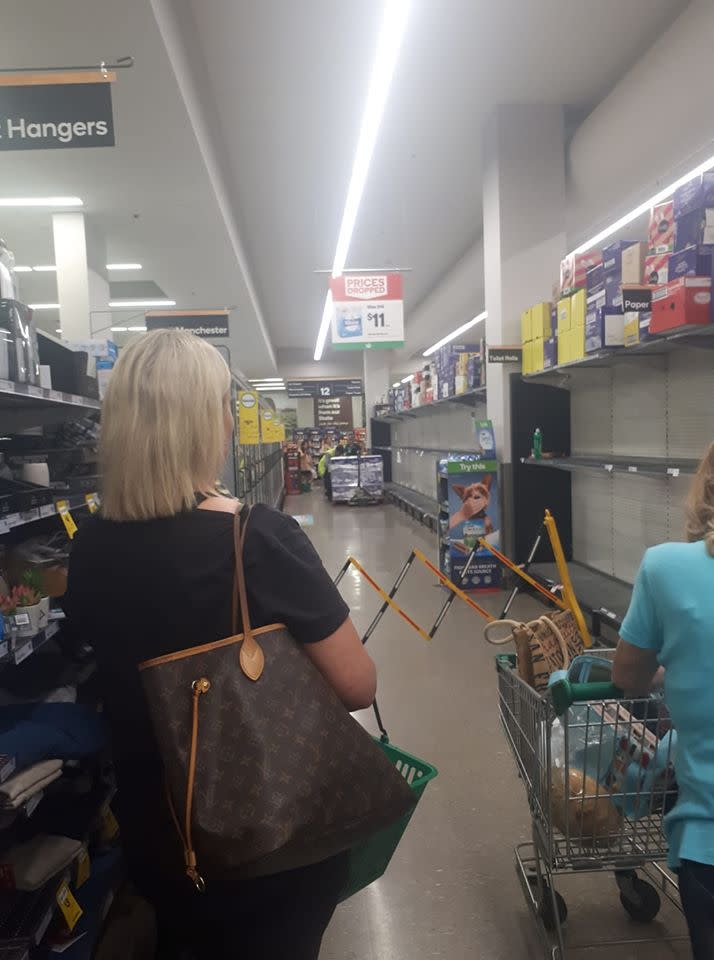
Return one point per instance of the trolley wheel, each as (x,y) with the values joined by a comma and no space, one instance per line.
(641,900)
(545,907)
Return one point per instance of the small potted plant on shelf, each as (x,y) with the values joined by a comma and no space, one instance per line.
(31,578)
(24,600)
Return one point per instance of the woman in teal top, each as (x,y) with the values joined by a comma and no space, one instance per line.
(669,629)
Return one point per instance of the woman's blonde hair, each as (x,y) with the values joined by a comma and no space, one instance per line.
(700,503)
(163,426)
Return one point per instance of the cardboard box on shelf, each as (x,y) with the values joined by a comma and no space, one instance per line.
(681,303)
(657,268)
(612,255)
(660,235)
(563,346)
(695,228)
(694,195)
(604,326)
(578,309)
(542,320)
(537,354)
(550,353)
(527,358)
(613,289)
(633,262)
(574,268)
(564,315)
(637,328)
(692,261)
(595,279)
(526,326)
(577,343)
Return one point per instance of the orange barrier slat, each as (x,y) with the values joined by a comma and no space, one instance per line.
(506,561)
(387,599)
(452,586)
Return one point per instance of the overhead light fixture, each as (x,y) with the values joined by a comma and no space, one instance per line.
(664,194)
(454,334)
(138,329)
(43,306)
(45,268)
(124,266)
(408,379)
(22,269)
(389,42)
(119,329)
(41,202)
(265,388)
(395,385)
(129,304)
(268,380)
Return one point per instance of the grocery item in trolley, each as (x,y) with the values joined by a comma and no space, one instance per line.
(543,646)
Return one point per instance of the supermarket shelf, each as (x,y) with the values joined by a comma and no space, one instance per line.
(466,399)
(18,649)
(12,520)
(701,337)
(440,450)
(639,466)
(18,396)
(418,505)
(605,598)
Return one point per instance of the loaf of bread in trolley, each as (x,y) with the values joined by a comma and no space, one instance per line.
(592,818)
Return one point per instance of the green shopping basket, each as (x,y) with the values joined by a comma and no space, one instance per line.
(370,858)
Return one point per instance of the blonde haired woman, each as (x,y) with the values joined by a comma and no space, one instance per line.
(152,575)
(669,629)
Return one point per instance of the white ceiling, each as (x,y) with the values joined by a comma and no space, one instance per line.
(278,88)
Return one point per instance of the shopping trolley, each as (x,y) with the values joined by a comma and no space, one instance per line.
(599,776)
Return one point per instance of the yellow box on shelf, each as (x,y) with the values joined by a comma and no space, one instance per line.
(563,346)
(578,309)
(541,326)
(564,315)
(537,355)
(527,358)
(632,329)
(526,327)
(577,343)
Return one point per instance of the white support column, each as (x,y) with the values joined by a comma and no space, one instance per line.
(82,287)
(376,383)
(523,233)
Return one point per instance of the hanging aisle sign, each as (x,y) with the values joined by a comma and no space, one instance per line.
(248,418)
(56,111)
(368,311)
(204,323)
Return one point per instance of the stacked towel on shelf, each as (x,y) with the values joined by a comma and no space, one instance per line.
(19,788)
(37,861)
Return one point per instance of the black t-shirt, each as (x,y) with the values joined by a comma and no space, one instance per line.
(140,590)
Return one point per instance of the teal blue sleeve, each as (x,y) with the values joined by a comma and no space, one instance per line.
(641,626)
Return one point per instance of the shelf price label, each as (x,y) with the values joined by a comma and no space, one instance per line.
(92,500)
(84,868)
(67,518)
(71,910)
(673,471)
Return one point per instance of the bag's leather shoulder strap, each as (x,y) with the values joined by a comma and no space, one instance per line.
(251,657)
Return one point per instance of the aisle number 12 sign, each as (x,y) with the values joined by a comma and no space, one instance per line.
(248,418)
(368,311)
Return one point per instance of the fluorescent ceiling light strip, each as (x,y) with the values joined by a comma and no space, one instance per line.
(124,266)
(390,38)
(119,329)
(45,268)
(454,334)
(275,388)
(43,306)
(408,379)
(268,380)
(22,269)
(138,329)
(41,202)
(664,194)
(120,304)
(395,384)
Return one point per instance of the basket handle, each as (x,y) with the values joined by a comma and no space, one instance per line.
(500,623)
(564,693)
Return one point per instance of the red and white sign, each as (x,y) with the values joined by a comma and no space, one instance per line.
(369,310)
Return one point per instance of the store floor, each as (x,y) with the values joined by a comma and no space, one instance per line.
(451,891)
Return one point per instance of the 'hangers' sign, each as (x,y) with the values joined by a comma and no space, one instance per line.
(56,111)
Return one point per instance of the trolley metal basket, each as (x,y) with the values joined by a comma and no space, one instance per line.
(599,776)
